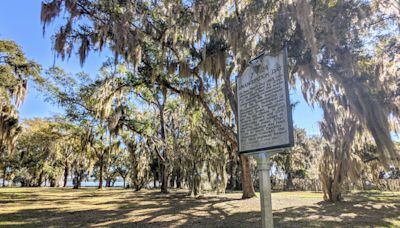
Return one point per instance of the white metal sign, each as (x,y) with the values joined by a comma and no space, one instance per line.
(265,117)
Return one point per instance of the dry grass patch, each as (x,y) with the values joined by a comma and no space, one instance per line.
(60,207)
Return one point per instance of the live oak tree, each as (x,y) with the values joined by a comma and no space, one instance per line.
(15,71)
(38,154)
(112,92)
(168,115)
(139,158)
(364,99)
(100,109)
(158,96)
(133,32)
(110,171)
(72,93)
(328,44)
(105,150)
(68,145)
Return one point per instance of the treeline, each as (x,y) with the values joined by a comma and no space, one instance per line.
(170,89)
(54,151)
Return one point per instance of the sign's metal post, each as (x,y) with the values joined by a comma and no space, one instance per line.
(263,167)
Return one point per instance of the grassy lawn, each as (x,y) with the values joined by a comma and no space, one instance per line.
(57,207)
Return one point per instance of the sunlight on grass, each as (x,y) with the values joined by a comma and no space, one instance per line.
(11,223)
(314,195)
(149,208)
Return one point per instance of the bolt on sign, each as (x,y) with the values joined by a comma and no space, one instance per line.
(265,116)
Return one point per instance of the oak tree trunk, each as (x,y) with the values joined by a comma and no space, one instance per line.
(40,180)
(66,171)
(164,178)
(178,179)
(52,182)
(78,179)
(247,183)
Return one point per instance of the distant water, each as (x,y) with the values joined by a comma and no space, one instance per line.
(92,183)
(89,183)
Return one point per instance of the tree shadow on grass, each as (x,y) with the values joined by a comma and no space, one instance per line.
(357,211)
(151,209)
(134,210)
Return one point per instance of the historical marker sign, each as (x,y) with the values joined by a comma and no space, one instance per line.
(265,117)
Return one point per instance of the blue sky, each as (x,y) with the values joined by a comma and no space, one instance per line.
(20,21)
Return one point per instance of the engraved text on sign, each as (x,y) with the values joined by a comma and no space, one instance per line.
(264,116)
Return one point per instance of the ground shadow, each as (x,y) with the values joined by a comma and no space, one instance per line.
(358,210)
(151,209)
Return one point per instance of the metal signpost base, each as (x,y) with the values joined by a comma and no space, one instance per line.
(265,189)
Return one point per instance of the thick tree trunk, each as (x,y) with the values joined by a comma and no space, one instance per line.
(52,182)
(246,180)
(336,192)
(332,190)
(178,179)
(77,184)
(247,183)
(108,182)
(66,171)
(77,180)
(164,178)
(138,186)
(40,180)
(194,182)
(333,169)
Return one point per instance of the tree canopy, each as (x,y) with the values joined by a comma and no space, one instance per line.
(15,70)
(164,106)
